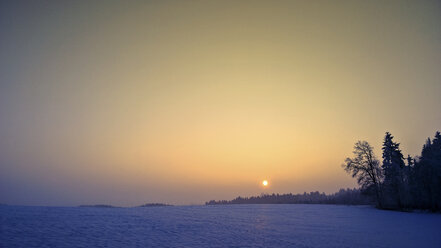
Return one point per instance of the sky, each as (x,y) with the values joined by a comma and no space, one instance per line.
(181,102)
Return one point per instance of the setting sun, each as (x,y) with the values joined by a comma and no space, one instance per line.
(265,183)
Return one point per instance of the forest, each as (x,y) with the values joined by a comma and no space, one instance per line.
(344,196)
(395,182)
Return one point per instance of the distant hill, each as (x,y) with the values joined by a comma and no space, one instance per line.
(154,205)
(97,206)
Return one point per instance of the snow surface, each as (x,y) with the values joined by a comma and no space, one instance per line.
(217,226)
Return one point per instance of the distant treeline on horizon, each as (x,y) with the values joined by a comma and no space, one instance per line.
(344,197)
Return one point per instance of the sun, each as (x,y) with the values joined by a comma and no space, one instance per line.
(265,183)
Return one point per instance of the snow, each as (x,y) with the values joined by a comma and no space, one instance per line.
(217,226)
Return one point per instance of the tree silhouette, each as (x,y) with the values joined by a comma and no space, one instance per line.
(366,168)
(426,184)
(343,196)
(393,166)
(393,185)
(416,185)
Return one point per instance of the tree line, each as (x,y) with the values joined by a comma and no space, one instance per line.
(396,182)
(344,196)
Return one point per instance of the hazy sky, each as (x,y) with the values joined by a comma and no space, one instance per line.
(181,102)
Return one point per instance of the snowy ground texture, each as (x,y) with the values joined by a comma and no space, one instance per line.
(217,226)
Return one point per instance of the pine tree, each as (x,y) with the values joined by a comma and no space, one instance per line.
(409,161)
(430,173)
(393,167)
(422,171)
(426,176)
(436,176)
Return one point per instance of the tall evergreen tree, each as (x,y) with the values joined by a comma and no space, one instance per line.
(436,163)
(421,190)
(393,167)
(429,174)
(409,161)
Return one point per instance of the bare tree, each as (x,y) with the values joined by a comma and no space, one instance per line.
(366,168)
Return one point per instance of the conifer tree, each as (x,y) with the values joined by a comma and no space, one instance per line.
(428,174)
(393,167)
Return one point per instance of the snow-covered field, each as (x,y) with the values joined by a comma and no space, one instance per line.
(217,226)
